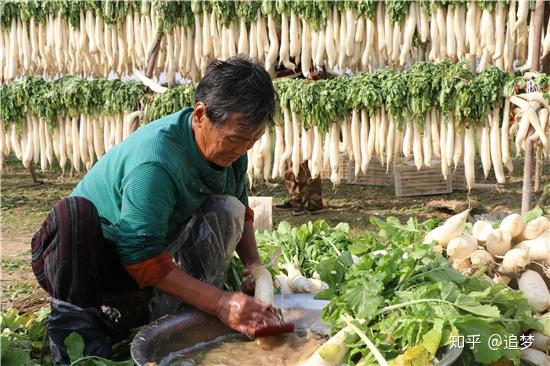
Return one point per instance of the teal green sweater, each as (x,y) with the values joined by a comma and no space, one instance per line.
(148,186)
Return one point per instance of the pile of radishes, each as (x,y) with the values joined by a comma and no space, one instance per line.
(511,251)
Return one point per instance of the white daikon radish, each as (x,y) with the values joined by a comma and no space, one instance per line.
(14,142)
(452,228)
(535,356)
(408,33)
(435,133)
(504,137)
(263,290)
(28,149)
(481,258)
(273,52)
(297,282)
(515,260)
(450,143)
(443,151)
(372,138)
(296,156)
(90,142)
(75,144)
(62,144)
(317,154)
(284,52)
(278,150)
(540,341)
(469,157)
(390,141)
(332,352)
(534,228)
(523,12)
(538,248)
(461,247)
(459,138)
(355,140)
(364,143)
(49,144)
(534,288)
(513,224)
(498,242)
(42,145)
(281,281)
(99,147)
(306,48)
(83,139)
(459,30)
(334,153)
(408,140)
(417,146)
(450,32)
(427,140)
(289,139)
(481,230)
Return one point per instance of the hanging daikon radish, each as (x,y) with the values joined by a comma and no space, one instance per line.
(388,34)
(372,139)
(242,46)
(253,43)
(90,142)
(450,32)
(99,147)
(500,32)
(356,139)
(509,44)
(380,31)
(434,37)
(363,143)
(523,12)
(307,144)
(390,141)
(83,139)
(49,144)
(531,44)
(278,151)
(484,150)
(289,140)
(14,142)
(258,159)
(326,152)
(435,133)
(350,31)
(294,36)
(346,145)
(408,33)
(232,38)
(334,154)
(504,137)
(198,40)
(427,140)
(273,44)
(75,144)
(523,128)
(369,44)
(417,146)
(382,134)
(408,140)
(459,139)
(265,151)
(68,132)
(396,42)
(495,148)
(342,45)
(36,138)
(284,52)
(459,30)
(42,145)
(296,156)
(106,133)
(317,154)
(440,17)
(29,142)
(469,157)
(320,51)
(206,39)
(449,144)
(443,141)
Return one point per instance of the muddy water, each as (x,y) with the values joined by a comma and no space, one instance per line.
(237,350)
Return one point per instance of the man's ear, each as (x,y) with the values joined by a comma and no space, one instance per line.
(199,114)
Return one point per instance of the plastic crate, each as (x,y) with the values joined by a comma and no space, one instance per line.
(409,181)
(376,175)
(343,168)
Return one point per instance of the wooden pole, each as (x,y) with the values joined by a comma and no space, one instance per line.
(538,169)
(528,162)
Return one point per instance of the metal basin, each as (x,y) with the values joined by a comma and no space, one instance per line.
(161,339)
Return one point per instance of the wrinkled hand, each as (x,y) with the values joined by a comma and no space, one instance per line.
(244,313)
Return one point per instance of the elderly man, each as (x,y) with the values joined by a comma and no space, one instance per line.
(166,209)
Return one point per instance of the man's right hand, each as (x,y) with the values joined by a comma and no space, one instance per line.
(245,314)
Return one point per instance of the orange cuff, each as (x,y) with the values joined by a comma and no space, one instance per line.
(249,214)
(152,270)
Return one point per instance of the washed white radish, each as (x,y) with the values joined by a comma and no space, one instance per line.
(513,224)
(481,230)
(297,282)
(469,157)
(461,247)
(281,280)
(263,284)
(498,242)
(534,228)
(515,260)
(452,228)
(364,134)
(480,258)
(332,352)
(535,356)
(534,288)
(538,248)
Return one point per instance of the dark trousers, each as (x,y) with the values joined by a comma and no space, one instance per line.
(74,263)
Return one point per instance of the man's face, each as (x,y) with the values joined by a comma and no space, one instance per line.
(223,144)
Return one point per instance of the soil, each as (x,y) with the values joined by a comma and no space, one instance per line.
(24,206)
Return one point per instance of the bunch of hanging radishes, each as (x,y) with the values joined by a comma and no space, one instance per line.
(514,250)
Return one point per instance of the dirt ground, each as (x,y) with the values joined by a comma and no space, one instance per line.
(24,206)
